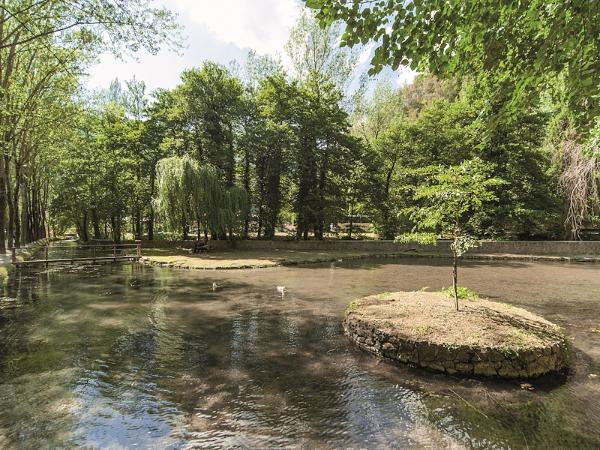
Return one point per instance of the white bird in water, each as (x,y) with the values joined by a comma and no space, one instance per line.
(281,290)
(214,286)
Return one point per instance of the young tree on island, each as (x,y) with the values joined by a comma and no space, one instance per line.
(448,201)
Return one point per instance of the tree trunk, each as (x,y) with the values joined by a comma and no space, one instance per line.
(16,216)
(82,228)
(115,222)
(138,223)
(151,224)
(247,188)
(151,214)
(260,216)
(96,224)
(350,222)
(24,214)
(10,203)
(455,278)
(2,209)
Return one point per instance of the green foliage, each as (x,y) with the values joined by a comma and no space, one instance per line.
(91,26)
(313,49)
(518,47)
(420,238)
(187,191)
(251,155)
(464,293)
(441,128)
(448,198)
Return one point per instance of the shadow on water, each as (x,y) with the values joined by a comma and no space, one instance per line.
(127,355)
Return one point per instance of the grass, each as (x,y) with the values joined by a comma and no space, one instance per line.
(464,293)
(353,306)
(243,259)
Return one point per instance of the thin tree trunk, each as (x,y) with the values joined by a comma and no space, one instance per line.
(95,224)
(151,224)
(247,188)
(9,201)
(24,214)
(455,278)
(2,209)
(151,214)
(350,223)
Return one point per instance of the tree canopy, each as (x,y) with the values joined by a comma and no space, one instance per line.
(255,150)
(520,48)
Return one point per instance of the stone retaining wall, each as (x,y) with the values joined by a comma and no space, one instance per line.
(540,248)
(462,360)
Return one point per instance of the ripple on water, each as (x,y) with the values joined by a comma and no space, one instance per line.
(164,361)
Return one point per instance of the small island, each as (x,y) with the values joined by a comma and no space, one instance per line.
(483,338)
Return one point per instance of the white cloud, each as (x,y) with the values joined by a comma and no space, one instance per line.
(405,76)
(262,25)
(221,31)
(365,54)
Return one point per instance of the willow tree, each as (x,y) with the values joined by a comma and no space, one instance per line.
(188,191)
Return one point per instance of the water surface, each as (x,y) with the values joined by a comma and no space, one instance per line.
(128,356)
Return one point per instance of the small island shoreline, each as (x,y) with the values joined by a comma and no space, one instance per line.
(484,338)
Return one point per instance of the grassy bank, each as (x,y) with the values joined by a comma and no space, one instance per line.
(245,259)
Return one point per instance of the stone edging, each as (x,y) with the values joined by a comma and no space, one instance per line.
(458,359)
(149,262)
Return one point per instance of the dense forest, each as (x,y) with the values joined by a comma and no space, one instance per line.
(258,148)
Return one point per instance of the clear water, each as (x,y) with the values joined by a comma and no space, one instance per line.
(127,356)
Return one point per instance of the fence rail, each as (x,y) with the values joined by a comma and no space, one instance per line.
(116,252)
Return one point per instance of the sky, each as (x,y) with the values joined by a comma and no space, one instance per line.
(221,31)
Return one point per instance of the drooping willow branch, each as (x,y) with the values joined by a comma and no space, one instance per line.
(190,192)
(578,183)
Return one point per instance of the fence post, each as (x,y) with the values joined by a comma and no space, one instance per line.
(46,251)
(138,248)
(115,252)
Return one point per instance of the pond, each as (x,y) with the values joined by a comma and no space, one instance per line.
(123,355)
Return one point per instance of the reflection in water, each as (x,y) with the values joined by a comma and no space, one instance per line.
(126,355)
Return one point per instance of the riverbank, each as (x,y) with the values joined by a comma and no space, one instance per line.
(243,254)
(228,259)
(249,259)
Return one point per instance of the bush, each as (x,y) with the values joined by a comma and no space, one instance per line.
(464,293)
